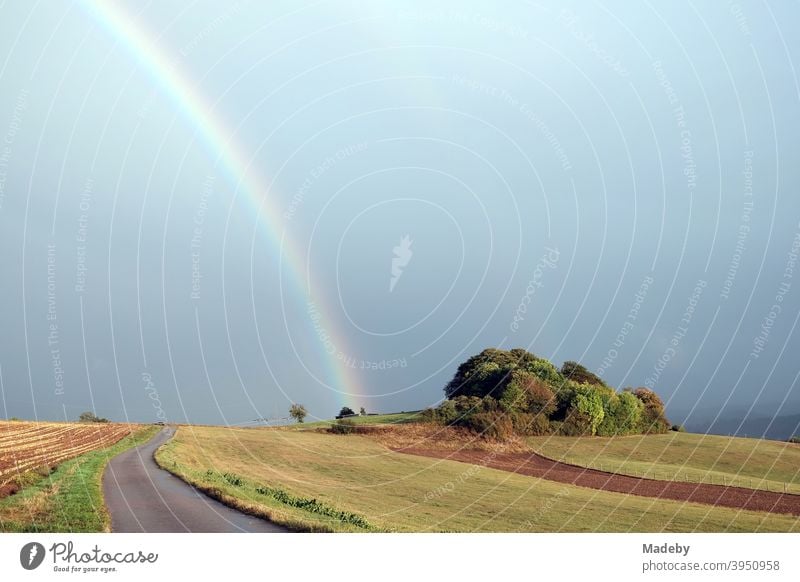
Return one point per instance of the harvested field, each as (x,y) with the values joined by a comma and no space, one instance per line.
(535,465)
(30,446)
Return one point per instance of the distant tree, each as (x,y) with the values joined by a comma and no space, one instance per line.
(346,411)
(590,404)
(578,373)
(628,413)
(539,397)
(488,373)
(363,411)
(298,412)
(653,419)
(514,398)
(90,417)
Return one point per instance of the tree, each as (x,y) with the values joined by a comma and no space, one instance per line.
(629,413)
(363,411)
(488,373)
(298,412)
(578,373)
(539,397)
(90,417)
(588,402)
(346,411)
(653,418)
(514,398)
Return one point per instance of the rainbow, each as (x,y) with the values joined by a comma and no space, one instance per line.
(233,157)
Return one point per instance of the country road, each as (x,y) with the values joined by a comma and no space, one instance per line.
(142,497)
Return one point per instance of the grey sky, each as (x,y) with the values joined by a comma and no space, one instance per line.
(609,183)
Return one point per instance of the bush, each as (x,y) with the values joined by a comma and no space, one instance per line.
(491,425)
(343,426)
(529,424)
(446,413)
(429,415)
(795,440)
(576,423)
(233,479)
(678,428)
(90,417)
(313,506)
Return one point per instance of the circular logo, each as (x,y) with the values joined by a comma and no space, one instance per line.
(31,555)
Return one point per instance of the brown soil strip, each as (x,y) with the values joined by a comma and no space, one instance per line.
(537,466)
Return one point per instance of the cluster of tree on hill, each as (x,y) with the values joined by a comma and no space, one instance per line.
(499,393)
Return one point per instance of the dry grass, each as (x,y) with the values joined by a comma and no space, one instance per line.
(431,436)
(399,492)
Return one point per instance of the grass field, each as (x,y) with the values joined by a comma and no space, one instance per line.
(70,498)
(753,463)
(391,491)
(394,418)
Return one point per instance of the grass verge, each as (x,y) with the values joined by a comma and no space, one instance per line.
(70,498)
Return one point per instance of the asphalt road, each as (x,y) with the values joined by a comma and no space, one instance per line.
(142,497)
